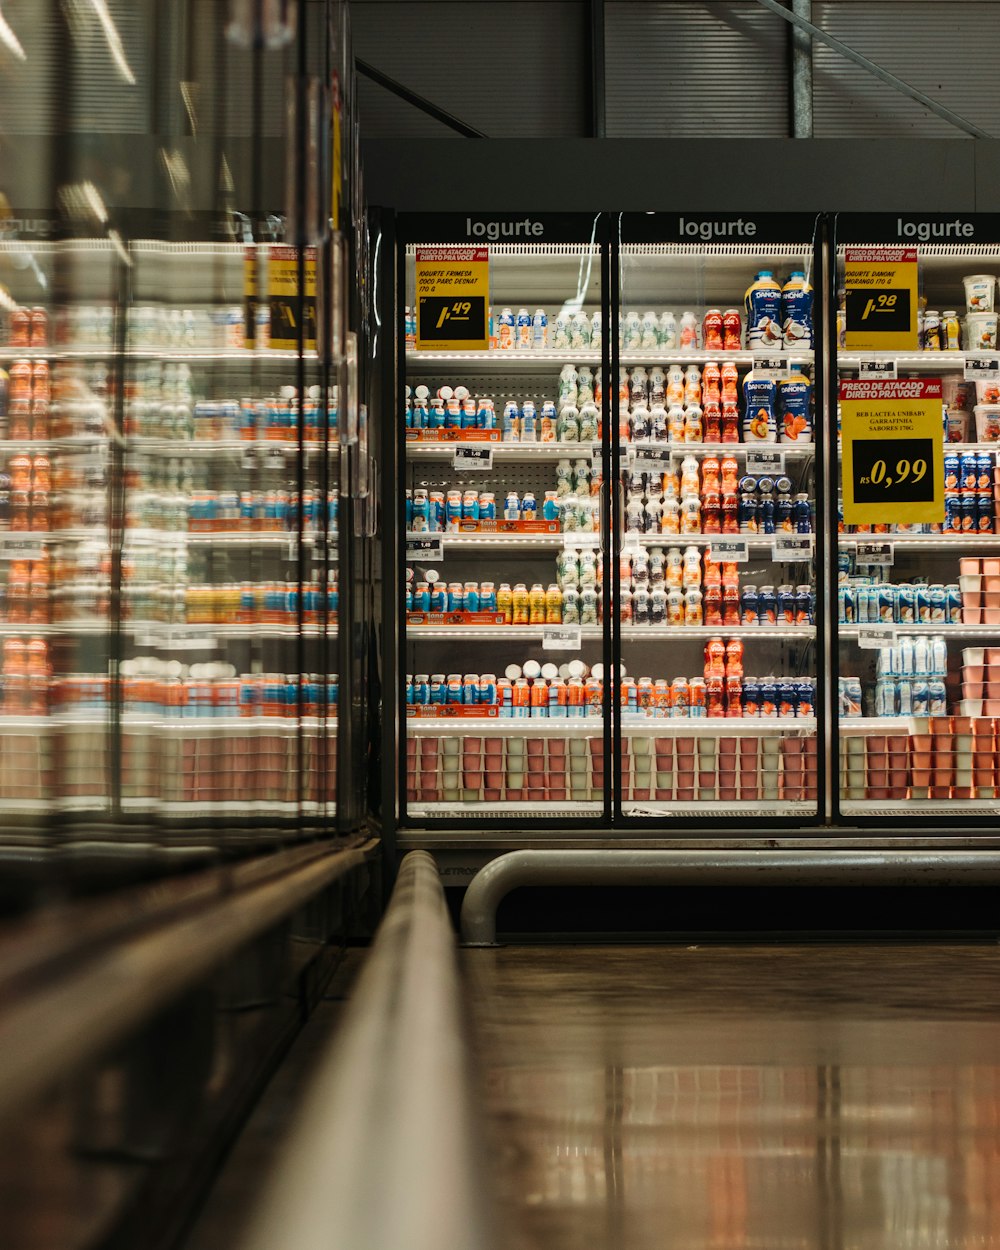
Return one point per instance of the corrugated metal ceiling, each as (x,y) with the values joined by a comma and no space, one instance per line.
(949,49)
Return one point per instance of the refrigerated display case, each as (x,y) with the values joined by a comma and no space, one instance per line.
(504,639)
(917,615)
(716,541)
(183,334)
(559,529)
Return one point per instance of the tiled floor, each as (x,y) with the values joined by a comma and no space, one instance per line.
(729,1098)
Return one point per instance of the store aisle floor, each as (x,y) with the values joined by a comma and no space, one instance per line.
(738,1097)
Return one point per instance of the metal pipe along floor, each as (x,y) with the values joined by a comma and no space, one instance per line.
(728,1098)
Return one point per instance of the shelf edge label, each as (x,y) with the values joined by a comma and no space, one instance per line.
(985,370)
(874,553)
(425,549)
(766,462)
(878,369)
(730,550)
(790,547)
(874,637)
(769,368)
(561,638)
(468,458)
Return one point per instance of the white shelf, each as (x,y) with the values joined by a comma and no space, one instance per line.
(508,726)
(521,359)
(189,355)
(570,539)
(223,447)
(540,807)
(963,543)
(556,451)
(630,633)
(885,724)
(926,362)
(694,356)
(719,807)
(919,807)
(637,633)
(948,631)
(593,726)
(489,633)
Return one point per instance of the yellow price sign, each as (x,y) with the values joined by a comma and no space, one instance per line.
(881,298)
(893,451)
(288,307)
(453,290)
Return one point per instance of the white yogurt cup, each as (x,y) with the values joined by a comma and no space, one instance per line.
(981,331)
(980,291)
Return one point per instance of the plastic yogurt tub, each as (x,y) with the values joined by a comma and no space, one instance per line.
(980,290)
(981,331)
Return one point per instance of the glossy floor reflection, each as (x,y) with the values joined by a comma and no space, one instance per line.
(729,1098)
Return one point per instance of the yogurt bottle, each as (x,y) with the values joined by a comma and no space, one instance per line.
(762,304)
(796,312)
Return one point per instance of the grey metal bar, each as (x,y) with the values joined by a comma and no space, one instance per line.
(418,101)
(596,77)
(802,73)
(766,867)
(82,1008)
(384,1155)
(904,88)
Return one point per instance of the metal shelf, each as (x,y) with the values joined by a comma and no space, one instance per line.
(930,542)
(924,361)
(948,631)
(551,357)
(684,355)
(631,633)
(593,726)
(555,451)
(181,354)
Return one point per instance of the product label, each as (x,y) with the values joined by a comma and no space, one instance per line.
(561,638)
(893,451)
(472,458)
(878,369)
(881,298)
(453,285)
(730,550)
(766,462)
(429,549)
(874,637)
(985,370)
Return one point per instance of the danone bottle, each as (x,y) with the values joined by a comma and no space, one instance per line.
(762,304)
(796,312)
(759,422)
(795,402)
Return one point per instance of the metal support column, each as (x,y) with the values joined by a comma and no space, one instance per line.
(802,72)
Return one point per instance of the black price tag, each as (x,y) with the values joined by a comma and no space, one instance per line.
(766,462)
(467,458)
(430,549)
(886,310)
(872,370)
(899,470)
(444,319)
(730,550)
(874,553)
(984,370)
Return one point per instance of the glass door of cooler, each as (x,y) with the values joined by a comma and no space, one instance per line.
(504,642)
(59,526)
(717,541)
(918,600)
